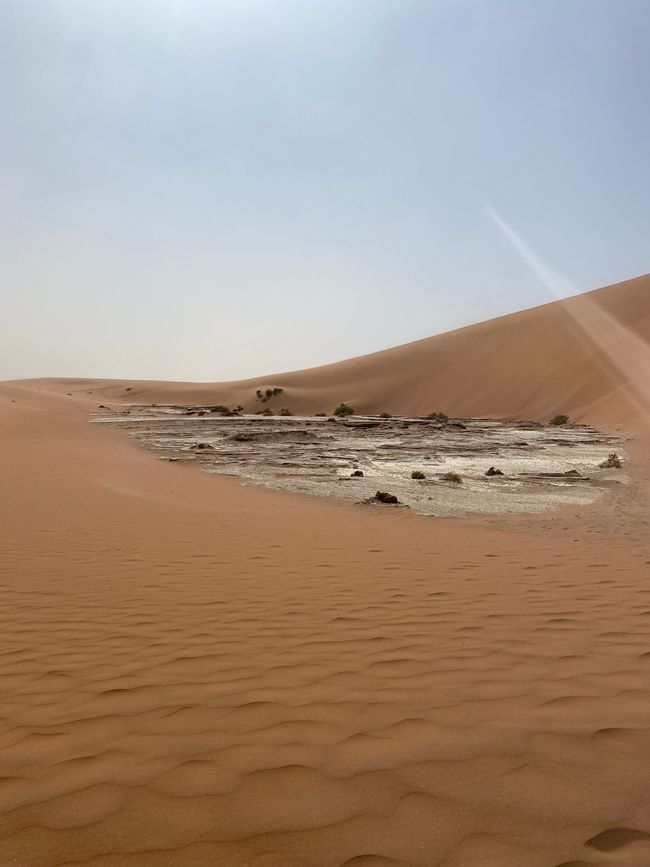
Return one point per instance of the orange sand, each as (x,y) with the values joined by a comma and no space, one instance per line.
(196,673)
(587,356)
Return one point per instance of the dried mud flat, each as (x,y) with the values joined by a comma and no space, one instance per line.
(539,466)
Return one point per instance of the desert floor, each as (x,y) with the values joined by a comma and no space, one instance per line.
(197,673)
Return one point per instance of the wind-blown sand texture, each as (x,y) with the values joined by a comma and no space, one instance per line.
(196,673)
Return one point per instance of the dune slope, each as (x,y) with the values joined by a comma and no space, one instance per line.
(586,356)
(196,673)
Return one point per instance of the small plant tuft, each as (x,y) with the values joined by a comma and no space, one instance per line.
(343,410)
(285,411)
(611,462)
(438,416)
(418,474)
(451,477)
(385,415)
(267,394)
(559,420)
(357,474)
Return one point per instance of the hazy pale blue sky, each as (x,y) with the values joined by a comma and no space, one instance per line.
(210,189)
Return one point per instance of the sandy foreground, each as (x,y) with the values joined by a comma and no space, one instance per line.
(197,673)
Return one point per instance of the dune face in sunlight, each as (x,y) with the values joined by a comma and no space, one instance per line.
(200,673)
(586,356)
(621,350)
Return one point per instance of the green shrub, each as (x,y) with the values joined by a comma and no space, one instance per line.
(418,474)
(343,410)
(559,420)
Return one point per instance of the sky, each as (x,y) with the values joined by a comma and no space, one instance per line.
(216,189)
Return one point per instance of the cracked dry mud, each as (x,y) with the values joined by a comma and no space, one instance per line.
(542,466)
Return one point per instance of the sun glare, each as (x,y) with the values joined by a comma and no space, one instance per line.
(621,348)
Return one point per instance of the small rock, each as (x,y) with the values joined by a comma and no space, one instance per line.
(385,497)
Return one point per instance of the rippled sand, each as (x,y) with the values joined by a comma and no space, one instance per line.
(196,673)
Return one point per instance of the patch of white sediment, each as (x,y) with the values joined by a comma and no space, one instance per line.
(541,466)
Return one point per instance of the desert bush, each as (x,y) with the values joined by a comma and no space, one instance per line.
(285,411)
(320,415)
(611,462)
(418,474)
(451,477)
(385,415)
(343,410)
(493,471)
(268,393)
(357,474)
(559,420)
(438,416)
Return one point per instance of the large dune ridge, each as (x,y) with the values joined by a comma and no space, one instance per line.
(586,356)
(197,674)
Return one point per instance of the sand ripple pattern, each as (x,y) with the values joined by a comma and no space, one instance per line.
(424,711)
(196,674)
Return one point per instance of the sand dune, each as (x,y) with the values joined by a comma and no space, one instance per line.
(586,356)
(196,673)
